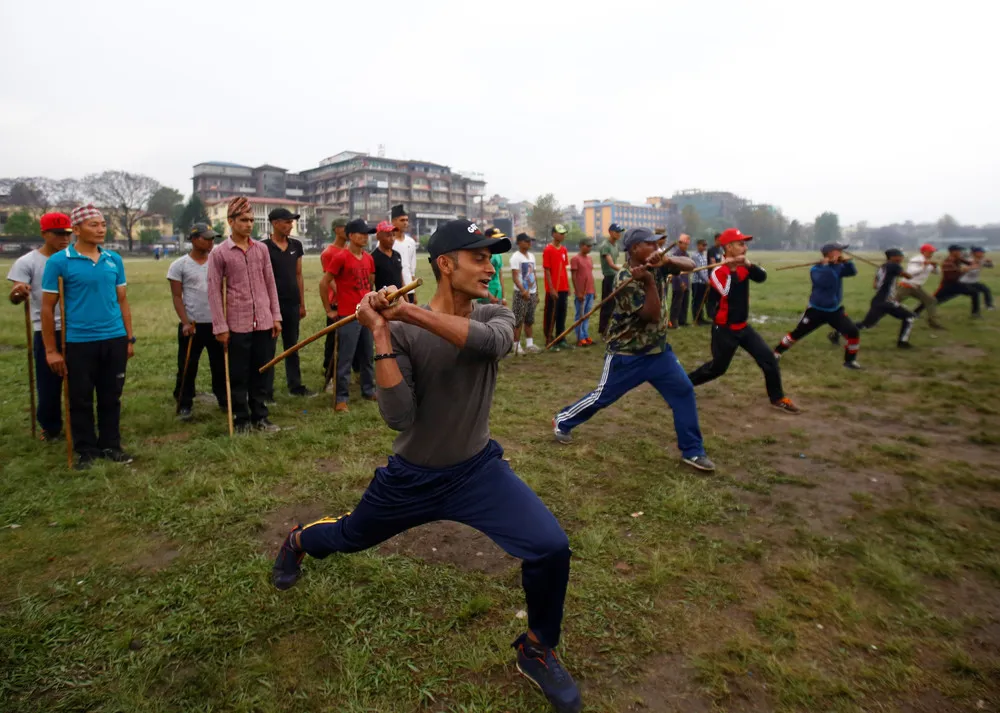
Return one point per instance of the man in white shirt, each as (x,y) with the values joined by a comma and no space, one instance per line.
(919,269)
(522,267)
(26,274)
(405,246)
(971,278)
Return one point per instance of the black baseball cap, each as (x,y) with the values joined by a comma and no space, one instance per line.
(524,238)
(830,247)
(616,228)
(634,236)
(495,233)
(893,252)
(282,214)
(952,248)
(358,226)
(203,230)
(463,235)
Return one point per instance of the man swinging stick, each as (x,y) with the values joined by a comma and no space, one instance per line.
(436,370)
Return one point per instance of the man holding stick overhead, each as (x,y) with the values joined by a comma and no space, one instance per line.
(638,351)
(26,274)
(188,278)
(437,369)
(250,319)
(98,335)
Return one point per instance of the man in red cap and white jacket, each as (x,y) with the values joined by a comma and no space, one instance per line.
(919,269)
(731,329)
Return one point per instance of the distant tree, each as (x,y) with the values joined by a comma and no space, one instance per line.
(544,215)
(255,233)
(22,223)
(219,227)
(949,227)
(827,228)
(148,236)
(125,194)
(888,236)
(194,212)
(314,228)
(164,201)
(794,235)
(574,233)
(692,220)
(177,217)
(767,225)
(28,195)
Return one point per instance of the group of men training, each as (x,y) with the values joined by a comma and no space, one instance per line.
(432,370)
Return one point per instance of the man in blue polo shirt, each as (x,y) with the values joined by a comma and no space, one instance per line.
(99,340)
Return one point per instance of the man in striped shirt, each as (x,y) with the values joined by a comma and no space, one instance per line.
(249,320)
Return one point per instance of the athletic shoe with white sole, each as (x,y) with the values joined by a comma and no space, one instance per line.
(561,436)
(786,405)
(852,365)
(700,462)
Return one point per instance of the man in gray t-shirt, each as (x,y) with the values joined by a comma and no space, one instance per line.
(26,274)
(188,278)
(436,369)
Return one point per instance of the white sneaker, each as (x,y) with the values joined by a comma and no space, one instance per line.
(532,350)
(518,349)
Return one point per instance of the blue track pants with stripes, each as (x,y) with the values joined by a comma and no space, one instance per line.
(624,372)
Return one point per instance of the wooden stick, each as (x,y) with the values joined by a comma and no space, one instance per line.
(862,259)
(336,325)
(69,423)
(31,359)
(187,360)
(225,358)
(792,267)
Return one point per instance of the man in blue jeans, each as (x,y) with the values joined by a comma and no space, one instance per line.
(26,274)
(436,371)
(638,351)
(582,269)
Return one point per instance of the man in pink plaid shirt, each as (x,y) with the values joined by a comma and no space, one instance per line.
(251,320)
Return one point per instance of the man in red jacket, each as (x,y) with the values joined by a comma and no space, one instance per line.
(731,330)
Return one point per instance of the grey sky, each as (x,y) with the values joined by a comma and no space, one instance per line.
(878,110)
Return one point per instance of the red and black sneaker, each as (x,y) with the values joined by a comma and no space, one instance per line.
(287,565)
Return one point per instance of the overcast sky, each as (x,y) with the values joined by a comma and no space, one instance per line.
(879,110)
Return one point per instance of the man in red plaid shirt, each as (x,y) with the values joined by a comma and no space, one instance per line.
(250,322)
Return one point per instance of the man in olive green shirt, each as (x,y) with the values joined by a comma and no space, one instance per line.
(609,269)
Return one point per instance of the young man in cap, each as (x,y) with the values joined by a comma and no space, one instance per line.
(971,279)
(919,269)
(437,370)
(582,268)
(286,263)
(522,268)
(609,269)
(638,351)
(951,286)
(99,339)
(249,321)
(353,271)
(26,274)
(699,285)
(388,262)
(188,278)
(496,284)
(406,246)
(328,288)
(732,329)
(681,284)
(555,260)
(884,301)
(826,304)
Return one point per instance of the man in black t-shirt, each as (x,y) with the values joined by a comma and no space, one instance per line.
(388,262)
(884,302)
(286,263)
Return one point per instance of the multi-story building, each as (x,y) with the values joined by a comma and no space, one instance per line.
(598,215)
(355,184)
(711,205)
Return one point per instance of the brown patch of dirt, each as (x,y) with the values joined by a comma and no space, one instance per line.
(157,557)
(328,465)
(668,686)
(279,522)
(177,437)
(959,352)
(451,543)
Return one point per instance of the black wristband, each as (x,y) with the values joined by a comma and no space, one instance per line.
(390,355)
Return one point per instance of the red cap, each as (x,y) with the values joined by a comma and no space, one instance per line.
(928,248)
(733,235)
(386,227)
(55,222)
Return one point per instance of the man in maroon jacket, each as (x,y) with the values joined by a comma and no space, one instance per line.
(731,330)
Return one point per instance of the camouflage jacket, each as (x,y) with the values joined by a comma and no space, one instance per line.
(627,334)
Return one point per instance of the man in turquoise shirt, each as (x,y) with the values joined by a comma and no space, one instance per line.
(98,329)
(496,283)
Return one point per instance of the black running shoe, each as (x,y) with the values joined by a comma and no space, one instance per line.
(116,455)
(700,463)
(540,665)
(286,570)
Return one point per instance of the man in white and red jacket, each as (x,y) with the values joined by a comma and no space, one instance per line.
(731,329)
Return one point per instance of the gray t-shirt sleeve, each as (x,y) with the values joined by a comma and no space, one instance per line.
(176,270)
(398,405)
(20,271)
(495,336)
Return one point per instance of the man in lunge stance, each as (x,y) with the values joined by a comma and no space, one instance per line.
(826,304)
(638,351)
(732,329)
(884,301)
(436,371)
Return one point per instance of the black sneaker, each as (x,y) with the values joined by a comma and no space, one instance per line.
(243,428)
(304,392)
(116,455)
(184,414)
(84,462)
(286,570)
(700,463)
(834,338)
(266,426)
(540,665)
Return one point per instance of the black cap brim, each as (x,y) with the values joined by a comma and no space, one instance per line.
(496,245)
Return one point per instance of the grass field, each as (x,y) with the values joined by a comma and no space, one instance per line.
(844,560)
